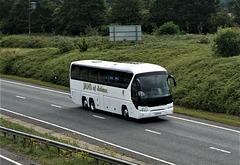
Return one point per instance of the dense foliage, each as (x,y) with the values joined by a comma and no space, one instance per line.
(168,28)
(227,42)
(127,12)
(204,81)
(75,16)
(191,16)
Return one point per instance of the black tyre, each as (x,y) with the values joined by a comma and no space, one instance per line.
(84,103)
(125,113)
(92,105)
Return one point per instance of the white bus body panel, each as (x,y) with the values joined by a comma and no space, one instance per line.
(111,99)
(114,100)
(105,97)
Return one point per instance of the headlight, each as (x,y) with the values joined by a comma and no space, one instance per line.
(143,109)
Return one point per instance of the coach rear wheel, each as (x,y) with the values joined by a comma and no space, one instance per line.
(92,105)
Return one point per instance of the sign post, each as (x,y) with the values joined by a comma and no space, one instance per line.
(32,6)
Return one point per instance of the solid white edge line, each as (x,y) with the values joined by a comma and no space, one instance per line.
(91,137)
(201,123)
(50,90)
(10,160)
(167,115)
(57,106)
(99,117)
(148,130)
(21,97)
(217,149)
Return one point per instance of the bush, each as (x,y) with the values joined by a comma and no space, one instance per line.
(23,41)
(91,31)
(83,46)
(168,28)
(204,40)
(64,44)
(204,82)
(104,30)
(227,42)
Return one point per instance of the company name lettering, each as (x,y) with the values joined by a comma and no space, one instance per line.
(87,86)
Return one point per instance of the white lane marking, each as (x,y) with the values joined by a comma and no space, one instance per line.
(21,97)
(57,106)
(31,86)
(10,160)
(99,117)
(148,130)
(201,123)
(217,149)
(91,137)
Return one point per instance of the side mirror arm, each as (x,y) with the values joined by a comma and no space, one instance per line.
(174,81)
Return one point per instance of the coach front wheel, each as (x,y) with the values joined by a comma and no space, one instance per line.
(125,113)
(84,103)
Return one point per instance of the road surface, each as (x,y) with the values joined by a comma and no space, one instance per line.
(173,139)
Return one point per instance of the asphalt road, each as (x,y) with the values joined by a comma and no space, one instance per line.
(11,158)
(173,139)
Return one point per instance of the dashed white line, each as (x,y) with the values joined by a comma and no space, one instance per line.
(170,116)
(57,106)
(217,149)
(21,97)
(99,117)
(94,138)
(10,160)
(158,133)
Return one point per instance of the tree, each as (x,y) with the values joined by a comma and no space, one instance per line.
(194,15)
(147,3)
(162,11)
(16,19)
(191,16)
(227,42)
(42,16)
(168,28)
(75,15)
(220,19)
(127,12)
(236,12)
(5,8)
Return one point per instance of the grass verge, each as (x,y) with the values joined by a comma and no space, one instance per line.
(33,81)
(205,81)
(41,152)
(217,117)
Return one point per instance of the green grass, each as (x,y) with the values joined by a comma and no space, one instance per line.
(217,117)
(34,81)
(43,153)
(204,81)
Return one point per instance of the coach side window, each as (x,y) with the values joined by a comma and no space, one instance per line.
(84,73)
(127,79)
(93,75)
(103,77)
(111,77)
(75,72)
(120,79)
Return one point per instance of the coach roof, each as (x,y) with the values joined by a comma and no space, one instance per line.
(134,67)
